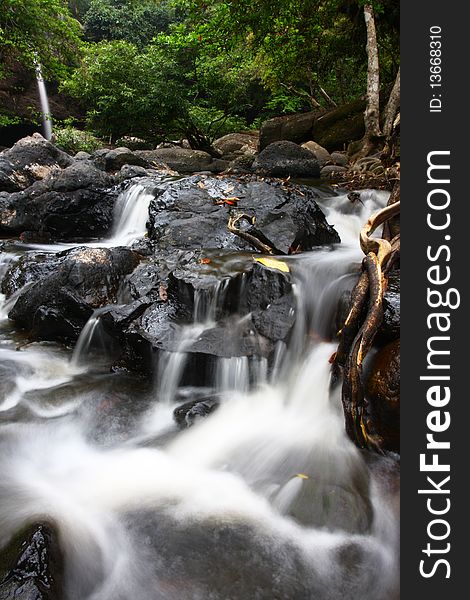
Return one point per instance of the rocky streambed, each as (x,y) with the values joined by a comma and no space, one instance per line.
(168,424)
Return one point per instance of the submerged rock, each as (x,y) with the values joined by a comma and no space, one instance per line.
(188,413)
(32,566)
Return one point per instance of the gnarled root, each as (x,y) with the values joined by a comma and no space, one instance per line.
(356,338)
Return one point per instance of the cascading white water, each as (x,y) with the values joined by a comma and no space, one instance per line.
(267,498)
(45,110)
(86,339)
(131,214)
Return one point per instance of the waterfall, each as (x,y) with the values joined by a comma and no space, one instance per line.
(131,214)
(45,110)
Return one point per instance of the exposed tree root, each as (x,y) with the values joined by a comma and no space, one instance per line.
(362,323)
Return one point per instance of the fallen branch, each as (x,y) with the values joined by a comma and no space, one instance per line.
(249,237)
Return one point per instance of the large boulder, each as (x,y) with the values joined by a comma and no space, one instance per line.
(62,290)
(71,203)
(237,142)
(286,159)
(30,159)
(335,129)
(118,157)
(193,213)
(294,128)
(183,160)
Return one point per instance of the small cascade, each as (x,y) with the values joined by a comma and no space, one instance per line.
(233,375)
(207,301)
(46,111)
(172,364)
(88,336)
(131,214)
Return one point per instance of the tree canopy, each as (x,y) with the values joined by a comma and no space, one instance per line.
(154,68)
(38,31)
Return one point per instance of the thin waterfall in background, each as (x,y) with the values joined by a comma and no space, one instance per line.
(45,110)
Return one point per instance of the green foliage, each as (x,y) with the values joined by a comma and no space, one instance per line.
(202,68)
(302,48)
(177,84)
(136,22)
(7,120)
(126,92)
(74,140)
(43,31)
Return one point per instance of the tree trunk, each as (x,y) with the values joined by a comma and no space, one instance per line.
(393,105)
(372,113)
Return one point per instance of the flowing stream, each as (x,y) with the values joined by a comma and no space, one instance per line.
(264,499)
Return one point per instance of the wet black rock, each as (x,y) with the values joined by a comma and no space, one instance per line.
(32,566)
(10,179)
(189,413)
(243,309)
(193,213)
(383,394)
(66,288)
(390,328)
(276,321)
(286,159)
(72,203)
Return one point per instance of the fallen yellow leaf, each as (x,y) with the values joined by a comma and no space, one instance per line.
(273,263)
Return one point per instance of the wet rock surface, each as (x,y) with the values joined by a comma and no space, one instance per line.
(390,328)
(65,288)
(383,394)
(32,566)
(188,413)
(72,203)
(32,159)
(194,212)
(190,269)
(170,295)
